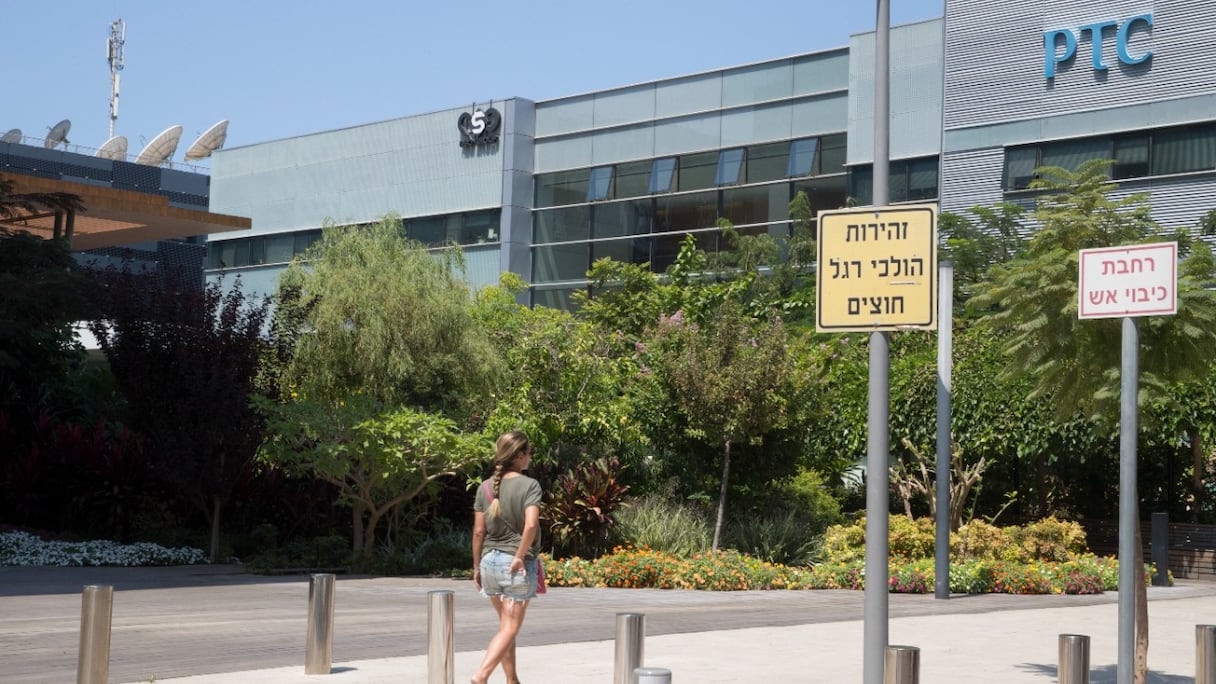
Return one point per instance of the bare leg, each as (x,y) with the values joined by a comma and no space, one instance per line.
(508,658)
(511,618)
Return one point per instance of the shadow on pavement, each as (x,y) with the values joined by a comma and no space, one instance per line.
(1106,674)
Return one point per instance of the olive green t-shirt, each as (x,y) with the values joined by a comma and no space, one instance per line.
(503,532)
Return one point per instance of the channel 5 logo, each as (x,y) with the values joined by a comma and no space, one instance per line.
(1060,45)
(479,127)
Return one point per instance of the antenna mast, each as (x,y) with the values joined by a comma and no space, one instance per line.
(118,36)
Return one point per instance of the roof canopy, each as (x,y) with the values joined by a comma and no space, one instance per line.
(112,216)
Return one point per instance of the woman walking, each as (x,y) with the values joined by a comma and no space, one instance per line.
(506,536)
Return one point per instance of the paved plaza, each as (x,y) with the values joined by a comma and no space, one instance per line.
(213,624)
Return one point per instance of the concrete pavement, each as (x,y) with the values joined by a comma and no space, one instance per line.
(210,624)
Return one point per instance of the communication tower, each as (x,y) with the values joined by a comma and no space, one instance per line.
(118,37)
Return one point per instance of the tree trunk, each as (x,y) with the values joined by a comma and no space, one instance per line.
(217,507)
(356,515)
(1140,672)
(722,493)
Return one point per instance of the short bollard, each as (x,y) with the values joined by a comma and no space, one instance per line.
(630,646)
(440,637)
(651,675)
(96,609)
(1074,659)
(902,665)
(319,652)
(1205,654)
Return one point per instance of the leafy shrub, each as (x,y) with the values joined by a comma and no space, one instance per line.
(977,539)
(1048,539)
(634,568)
(445,551)
(581,507)
(907,538)
(657,522)
(808,496)
(844,544)
(787,539)
(319,553)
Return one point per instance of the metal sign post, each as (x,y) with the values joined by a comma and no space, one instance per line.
(1126,282)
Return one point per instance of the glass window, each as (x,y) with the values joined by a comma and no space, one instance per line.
(555,299)
(802,157)
(562,187)
(922,179)
(832,150)
(667,247)
(767,162)
(1020,164)
(756,204)
(824,193)
(560,262)
(686,212)
(630,251)
(560,225)
(662,175)
(278,249)
(477,227)
(730,164)
(1184,149)
(1070,154)
(257,251)
(600,185)
(622,218)
(429,230)
(305,239)
(861,184)
(631,179)
(697,171)
(1131,156)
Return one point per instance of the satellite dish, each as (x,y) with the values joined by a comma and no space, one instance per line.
(13,136)
(114,149)
(58,134)
(211,140)
(161,148)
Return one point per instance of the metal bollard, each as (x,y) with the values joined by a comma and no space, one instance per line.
(1205,654)
(319,652)
(1159,549)
(651,675)
(902,665)
(96,609)
(440,637)
(1074,659)
(630,646)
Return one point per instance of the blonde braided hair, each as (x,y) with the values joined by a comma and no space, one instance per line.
(509,447)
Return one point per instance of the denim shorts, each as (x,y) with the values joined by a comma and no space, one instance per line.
(497,580)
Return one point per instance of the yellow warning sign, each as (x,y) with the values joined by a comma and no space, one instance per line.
(877,269)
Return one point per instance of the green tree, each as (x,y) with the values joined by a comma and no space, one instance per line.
(727,378)
(1032,300)
(1075,364)
(993,237)
(186,360)
(384,370)
(379,457)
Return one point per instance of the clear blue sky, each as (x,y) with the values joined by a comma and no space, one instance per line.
(278,68)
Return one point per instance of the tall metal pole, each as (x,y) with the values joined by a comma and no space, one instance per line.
(1128,500)
(945,350)
(878,425)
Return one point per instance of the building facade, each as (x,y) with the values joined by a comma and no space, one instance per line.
(979,99)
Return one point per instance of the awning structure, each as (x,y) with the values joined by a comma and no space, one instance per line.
(112,216)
